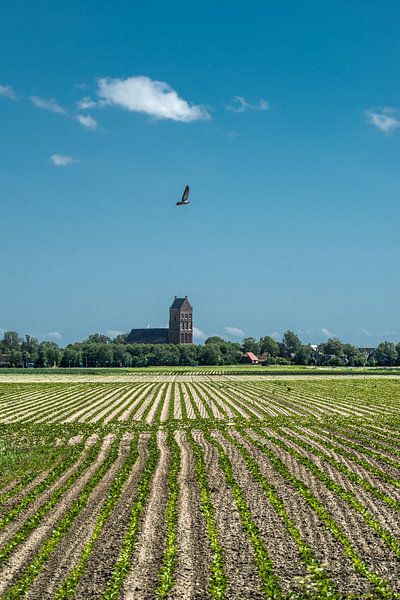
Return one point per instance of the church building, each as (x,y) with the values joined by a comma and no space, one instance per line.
(180,330)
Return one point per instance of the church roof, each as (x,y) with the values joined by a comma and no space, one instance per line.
(179,302)
(148,336)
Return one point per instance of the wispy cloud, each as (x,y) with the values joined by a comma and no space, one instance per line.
(86,103)
(276,335)
(48,104)
(240,105)
(61,160)
(198,334)
(235,331)
(112,333)
(87,121)
(155,98)
(385,119)
(55,335)
(8,92)
(326,332)
(365,331)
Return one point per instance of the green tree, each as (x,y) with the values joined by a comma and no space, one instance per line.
(119,350)
(210,355)
(99,338)
(291,343)
(302,356)
(126,360)
(214,339)
(250,344)
(49,355)
(120,339)
(386,354)
(269,346)
(188,355)
(398,353)
(72,356)
(358,360)
(333,346)
(231,353)
(30,350)
(11,341)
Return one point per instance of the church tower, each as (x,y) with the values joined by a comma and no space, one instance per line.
(180,322)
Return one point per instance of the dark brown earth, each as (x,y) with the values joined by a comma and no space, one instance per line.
(106,550)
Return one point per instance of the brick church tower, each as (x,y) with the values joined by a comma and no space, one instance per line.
(180,322)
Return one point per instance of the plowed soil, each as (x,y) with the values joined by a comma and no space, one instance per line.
(239,458)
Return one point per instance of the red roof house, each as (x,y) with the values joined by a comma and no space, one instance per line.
(252,358)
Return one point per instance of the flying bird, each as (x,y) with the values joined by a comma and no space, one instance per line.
(185,197)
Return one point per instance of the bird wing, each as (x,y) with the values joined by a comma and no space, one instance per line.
(185,194)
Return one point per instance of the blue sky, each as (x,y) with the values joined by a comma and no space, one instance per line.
(283,117)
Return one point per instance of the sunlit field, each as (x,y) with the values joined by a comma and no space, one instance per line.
(199,485)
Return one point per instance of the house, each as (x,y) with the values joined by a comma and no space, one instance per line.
(249,357)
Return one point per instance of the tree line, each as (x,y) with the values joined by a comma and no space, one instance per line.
(101,351)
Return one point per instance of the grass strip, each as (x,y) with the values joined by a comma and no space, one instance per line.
(167,571)
(32,571)
(123,563)
(32,523)
(52,477)
(28,478)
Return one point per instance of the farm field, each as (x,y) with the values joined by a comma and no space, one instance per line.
(200,486)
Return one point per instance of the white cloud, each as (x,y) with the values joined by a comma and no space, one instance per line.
(235,331)
(155,98)
(112,333)
(198,334)
(241,105)
(8,92)
(385,119)
(48,104)
(365,331)
(86,103)
(276,335)
(326,332)
(87,121)
(61,160)
(56,335)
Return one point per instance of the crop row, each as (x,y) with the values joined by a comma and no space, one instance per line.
(159,402)
(287,475)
